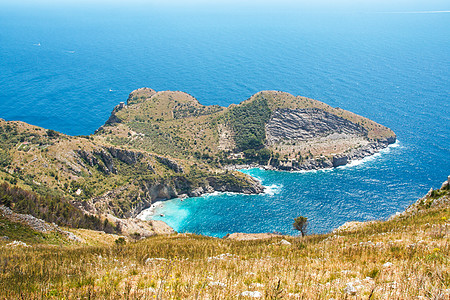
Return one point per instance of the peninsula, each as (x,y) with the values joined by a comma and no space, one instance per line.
(163,145)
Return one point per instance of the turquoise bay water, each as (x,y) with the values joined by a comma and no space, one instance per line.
(366,190)
(66,69)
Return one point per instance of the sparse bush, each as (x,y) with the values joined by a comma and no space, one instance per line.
(52,133)
(373,273)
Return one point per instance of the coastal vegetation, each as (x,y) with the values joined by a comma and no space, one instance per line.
(51,208)
(176,124)
(248,121)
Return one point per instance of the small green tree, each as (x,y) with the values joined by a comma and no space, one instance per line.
(300,224)
(120,241)
(52,133)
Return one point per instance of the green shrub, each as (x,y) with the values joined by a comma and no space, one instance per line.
(120,241)
(248,123)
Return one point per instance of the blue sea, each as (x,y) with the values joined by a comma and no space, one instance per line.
(65,68)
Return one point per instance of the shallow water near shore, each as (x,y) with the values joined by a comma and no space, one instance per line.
(66,70)
(373,188)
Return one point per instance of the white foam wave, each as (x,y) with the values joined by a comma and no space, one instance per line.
(394,145)
(311,171)
(359,162)
(149,212)
(375,156)
(272,189)
(216,193)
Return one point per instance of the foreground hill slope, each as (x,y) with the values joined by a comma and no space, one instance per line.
(406,257)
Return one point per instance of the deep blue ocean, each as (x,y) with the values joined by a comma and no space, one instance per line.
(66,69)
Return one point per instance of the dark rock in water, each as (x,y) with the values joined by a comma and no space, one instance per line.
(254,186)
(340,161)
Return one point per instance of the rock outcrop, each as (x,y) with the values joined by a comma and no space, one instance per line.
(126,156)
(171,164)
(138,228)
(99,158)
(306,124)
(434,198)
(324,162)
(322,140)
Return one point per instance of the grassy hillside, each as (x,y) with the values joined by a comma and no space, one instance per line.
(96,176)
(406,257)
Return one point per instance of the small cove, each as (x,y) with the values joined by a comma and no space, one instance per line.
(328,197)
(391,68)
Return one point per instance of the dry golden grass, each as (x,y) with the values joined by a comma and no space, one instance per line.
(404,258)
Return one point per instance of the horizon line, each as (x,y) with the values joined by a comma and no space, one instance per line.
(416,12)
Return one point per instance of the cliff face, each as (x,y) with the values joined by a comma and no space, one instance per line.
(307,124)
(131,199)
(334,161)
(139,193)
(318,139)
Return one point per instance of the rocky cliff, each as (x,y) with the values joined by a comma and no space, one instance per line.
(308,124)
(318,139)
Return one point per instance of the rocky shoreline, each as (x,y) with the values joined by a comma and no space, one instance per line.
(167,190)
(322,162)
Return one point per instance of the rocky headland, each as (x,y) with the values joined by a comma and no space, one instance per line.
(164,145)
